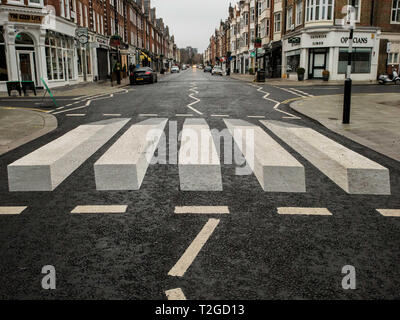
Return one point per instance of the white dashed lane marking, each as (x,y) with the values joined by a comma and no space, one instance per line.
(12,210)
(175,294)
(389,212)
(202,210)
(304,211)
(179,269)
(100,209)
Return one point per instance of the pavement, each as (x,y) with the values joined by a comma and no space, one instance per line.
(374,119)
(20,126)
(116,226)
(293,81)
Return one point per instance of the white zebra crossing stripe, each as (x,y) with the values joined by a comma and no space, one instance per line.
(275,168)
(302,92)
(389,212)
(12,210)
(175,294)
(199,165)
(351,171)
(304,211)
(100,209)
(202,210)
(179,269)
(48,166)
(124,165)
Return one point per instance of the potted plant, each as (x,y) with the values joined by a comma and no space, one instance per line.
(300,73)
(325,75)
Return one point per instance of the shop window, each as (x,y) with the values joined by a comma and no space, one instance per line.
(3,60)
(292,60)
(396,11)
(59,57)
(361,60)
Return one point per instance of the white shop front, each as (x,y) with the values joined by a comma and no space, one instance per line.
(31,50)
(321,49)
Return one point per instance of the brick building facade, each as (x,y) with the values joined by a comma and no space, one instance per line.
(38,40)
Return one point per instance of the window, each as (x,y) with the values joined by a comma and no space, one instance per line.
(258,28)
(259,8)
(267,27)
(319,10)
(86,17)
(292,60)
(299,12)
(289,17)
(246,39)
(246,18)
(251,35)
(393,58)
(396,11)
(268,4)
(357,8)
(277,22)
(59,57)
(36,2)
(361,60)
(80,14)
(253,15)
(3,60)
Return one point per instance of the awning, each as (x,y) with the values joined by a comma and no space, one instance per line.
(143,55)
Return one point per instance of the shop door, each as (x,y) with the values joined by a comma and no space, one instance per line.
(317,63)
(102,64)
(26,66)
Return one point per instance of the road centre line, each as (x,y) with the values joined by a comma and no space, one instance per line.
(304,211)
(100,209)
(175,294)
(12,210)
(202,210)
(179,269)
(75,115)
(220,115)
(184,115)
(256,117)
(389,212)
(111,114)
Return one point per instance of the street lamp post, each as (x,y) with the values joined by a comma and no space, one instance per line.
(348,81)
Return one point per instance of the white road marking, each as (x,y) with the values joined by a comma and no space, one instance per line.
(220,115)
(179,269)
(202,210)
(389,212)
(175,294)
(304,211)
(124,165)
(111,114)
(148,115)
(77,108)
(184,115)
(256,117)
(100,209)
(275,168)
(75,115)
(302,92)
(290,91)
(352,172)
(199,164)
(277,104)
(12,210)
(194,102)
(45,168)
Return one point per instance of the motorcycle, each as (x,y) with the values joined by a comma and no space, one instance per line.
(384,78)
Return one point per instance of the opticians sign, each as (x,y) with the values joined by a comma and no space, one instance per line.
(336,39)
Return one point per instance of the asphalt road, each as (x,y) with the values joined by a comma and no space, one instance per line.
(254,253)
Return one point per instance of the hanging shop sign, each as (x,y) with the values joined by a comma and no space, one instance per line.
(82,35)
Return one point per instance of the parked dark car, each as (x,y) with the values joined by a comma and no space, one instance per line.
(207,69)
(144,74)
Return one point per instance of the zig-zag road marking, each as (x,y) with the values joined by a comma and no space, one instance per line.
(194,102)
(277,103)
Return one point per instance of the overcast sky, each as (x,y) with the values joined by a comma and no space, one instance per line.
(192,21)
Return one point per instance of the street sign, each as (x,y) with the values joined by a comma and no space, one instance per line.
(253,54)
(82,35)
(388,47)
(294,40)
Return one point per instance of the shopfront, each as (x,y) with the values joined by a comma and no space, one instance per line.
(327,49)
(30,49)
